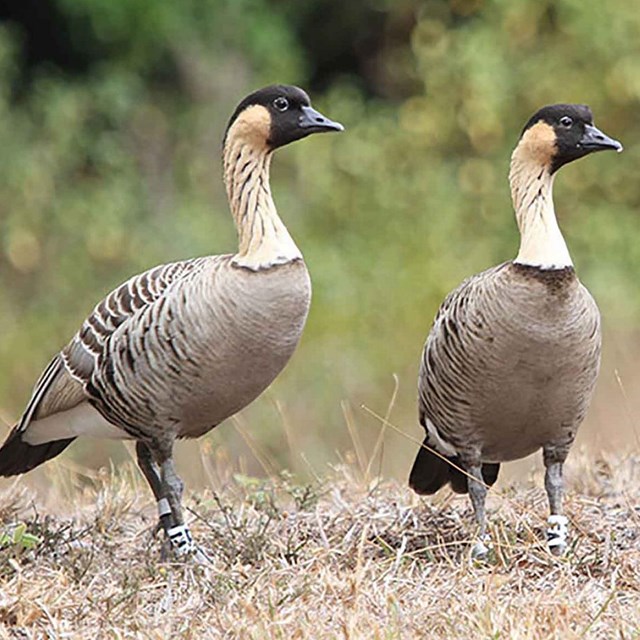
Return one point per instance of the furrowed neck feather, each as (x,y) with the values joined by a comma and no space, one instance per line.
(541,242)
(262,237)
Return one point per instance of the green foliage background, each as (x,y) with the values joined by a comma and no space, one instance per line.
(108,172)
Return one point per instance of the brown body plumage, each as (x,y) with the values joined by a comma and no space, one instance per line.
(511,362)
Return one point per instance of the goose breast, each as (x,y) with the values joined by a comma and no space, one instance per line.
(512,362)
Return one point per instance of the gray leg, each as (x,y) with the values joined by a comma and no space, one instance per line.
(478,494)
(149,468)
(553,483)
(554,486)
(172,488)
(151,472)
(157,466)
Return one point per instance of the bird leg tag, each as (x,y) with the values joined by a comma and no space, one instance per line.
(557,531)
(480,549)
(164,509)
(181,539)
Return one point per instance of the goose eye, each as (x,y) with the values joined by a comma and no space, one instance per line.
(566,121)
(281,104)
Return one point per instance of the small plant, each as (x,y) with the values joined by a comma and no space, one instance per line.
(19,538)
(261,494)
(305,496)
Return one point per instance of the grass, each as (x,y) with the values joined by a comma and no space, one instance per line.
(341,557)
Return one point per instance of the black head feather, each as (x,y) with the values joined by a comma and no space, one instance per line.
(575,134)
(290,112)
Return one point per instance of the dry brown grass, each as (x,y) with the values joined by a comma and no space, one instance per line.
(341,558)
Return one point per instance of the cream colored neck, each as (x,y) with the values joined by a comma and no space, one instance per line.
(541,241)
(263,239)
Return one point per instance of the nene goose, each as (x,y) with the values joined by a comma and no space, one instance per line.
(176,350)
(512,358)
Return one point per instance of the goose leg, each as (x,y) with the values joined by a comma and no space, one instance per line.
(167,489)
(172,488)
(478,495)
(553,483)
(151,472)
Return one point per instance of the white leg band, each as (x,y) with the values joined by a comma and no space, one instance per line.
(480,549)
(557,531)
(164,509)
(181,539)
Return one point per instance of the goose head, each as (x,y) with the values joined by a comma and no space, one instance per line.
(275,116)
(561,133)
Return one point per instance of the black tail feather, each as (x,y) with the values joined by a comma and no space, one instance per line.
(490,471)
(18,457)
(431,472)
(459,481)
(457,478)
